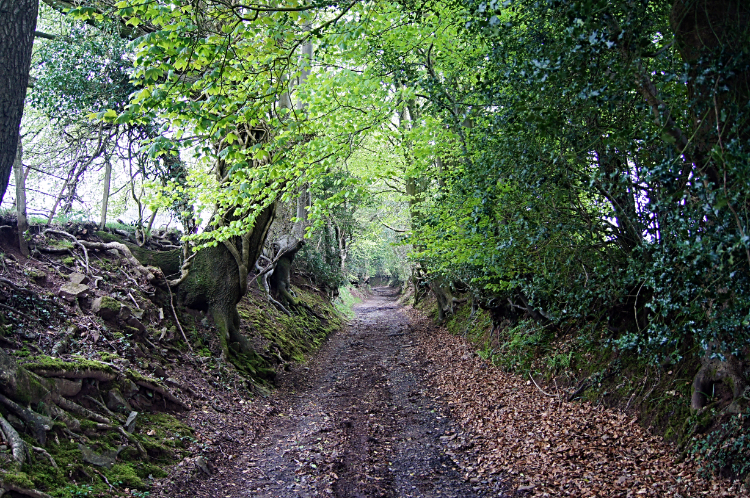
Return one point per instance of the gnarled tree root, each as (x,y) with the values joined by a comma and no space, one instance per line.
(70,406)
(43,452)
(84,244)
(39,424)
(17,445)
(714,371)
(164,392)
(74,373)
(71,423)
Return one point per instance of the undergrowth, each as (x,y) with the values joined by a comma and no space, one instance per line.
(345,301)
(725,451)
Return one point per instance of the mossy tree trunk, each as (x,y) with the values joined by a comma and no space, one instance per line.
(218,279)
(280,280)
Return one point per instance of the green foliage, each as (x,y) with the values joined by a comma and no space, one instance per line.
(324,274)
(725,451)
(83,70)
(519,345)
(345,301)
(565,196)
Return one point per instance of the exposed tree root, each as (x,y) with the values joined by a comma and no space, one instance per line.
(74,373)
(33,493)
(70,406)
(84,244)
(39,424)
(174,311)
(71,423)
(184,271)
(104,408)
(164,392)
(133,440)
(75,241)
(43,452)
(17,445)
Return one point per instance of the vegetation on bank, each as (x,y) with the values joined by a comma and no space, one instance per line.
(93,366)
(577,366)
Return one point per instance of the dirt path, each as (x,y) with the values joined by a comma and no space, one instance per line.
(368,417)
(354,423)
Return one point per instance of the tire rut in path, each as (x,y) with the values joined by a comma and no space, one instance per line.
(357,423)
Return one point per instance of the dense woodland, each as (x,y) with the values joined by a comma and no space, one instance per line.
(572,174)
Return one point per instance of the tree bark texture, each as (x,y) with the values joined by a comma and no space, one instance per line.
(17,26)
(23,224)
(105,194)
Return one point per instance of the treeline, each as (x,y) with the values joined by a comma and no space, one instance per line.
(600,175)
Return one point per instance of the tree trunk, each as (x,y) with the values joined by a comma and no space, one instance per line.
(23,224)
(217,282)
(105,194)
(711,33)
(280,279)
(17,26)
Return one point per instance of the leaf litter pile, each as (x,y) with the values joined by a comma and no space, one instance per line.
(545,445)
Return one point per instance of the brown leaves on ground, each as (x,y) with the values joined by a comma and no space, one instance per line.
(550,447)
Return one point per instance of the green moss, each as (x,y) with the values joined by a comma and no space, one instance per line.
(136,376)
(126,475)
(50,363)
(166,425)
(289,338)
(107,356)
(20,479)
(131,471)
(61,244)
(35,274)
(108,237)
(144,470)
(69,260)
(110,303)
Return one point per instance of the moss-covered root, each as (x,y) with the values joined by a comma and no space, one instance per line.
(38,424)
(47,366)
(714,371)
(21,385)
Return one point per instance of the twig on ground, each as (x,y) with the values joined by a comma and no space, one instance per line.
(134,301)
(103,477)
(130,278)
(44,452)
(540,389)
(174,312)
(75,241)
(582,387)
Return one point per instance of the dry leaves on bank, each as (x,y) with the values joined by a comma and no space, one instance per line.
(548,446)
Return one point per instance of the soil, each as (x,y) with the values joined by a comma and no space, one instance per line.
(355,421)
